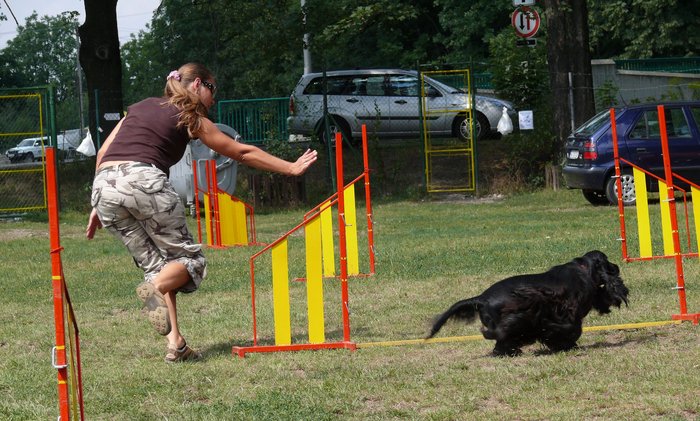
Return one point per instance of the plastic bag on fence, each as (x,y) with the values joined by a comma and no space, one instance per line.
(505,124)
(86,147)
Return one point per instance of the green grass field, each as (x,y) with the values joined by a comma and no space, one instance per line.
(429,255)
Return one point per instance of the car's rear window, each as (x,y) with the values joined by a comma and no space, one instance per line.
(594,124)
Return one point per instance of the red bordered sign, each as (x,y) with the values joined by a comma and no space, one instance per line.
(526,22)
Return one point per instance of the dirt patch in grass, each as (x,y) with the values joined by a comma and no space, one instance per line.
(19,233)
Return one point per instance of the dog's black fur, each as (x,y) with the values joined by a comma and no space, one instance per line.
(546,307)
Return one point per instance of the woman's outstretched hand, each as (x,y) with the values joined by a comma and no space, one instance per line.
(93,225)
(304,162)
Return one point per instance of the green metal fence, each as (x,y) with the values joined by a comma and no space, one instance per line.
(256,120)
(670,64)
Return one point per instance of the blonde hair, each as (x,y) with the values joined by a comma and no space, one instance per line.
(192,110)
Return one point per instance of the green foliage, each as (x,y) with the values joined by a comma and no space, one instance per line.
(606,95)
(44,52)
(527,152)
(384,33)
(644,28)
(695,89)
(469,27)
(520,74)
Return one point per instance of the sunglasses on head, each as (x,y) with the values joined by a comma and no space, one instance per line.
(211,86)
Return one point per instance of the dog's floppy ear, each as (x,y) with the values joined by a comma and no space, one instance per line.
(605,275)
(598,261)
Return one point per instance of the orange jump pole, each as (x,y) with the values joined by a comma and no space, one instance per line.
(695,318)
(70,399)
(368,202)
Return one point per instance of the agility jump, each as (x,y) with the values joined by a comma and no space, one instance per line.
(319,262)
(229,221)
(669,218)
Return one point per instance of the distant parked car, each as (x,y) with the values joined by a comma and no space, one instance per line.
(387,102)
(589,162)
(27,150)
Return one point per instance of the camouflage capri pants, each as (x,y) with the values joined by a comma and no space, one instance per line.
(137,203)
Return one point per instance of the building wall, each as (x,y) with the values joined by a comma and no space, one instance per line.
(643,86)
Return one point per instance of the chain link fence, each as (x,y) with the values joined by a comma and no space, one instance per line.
(27,128)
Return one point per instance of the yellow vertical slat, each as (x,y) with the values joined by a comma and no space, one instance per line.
(351,231)
(327,239)
(207,219)
(240,226)
(642,205)
(280,294)
(665,219)
(226,219)
(695,195)
(314,281)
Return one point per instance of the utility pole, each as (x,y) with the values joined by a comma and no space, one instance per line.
(306,41)
(80,82)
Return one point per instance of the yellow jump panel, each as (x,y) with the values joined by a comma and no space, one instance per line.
(327,239)
(695,195)
(351,231)
(643,223)
(665,219)
(314,281)
(280,294)
(207,219)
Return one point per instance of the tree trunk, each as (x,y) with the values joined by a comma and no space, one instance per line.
(568,54)
(101,62)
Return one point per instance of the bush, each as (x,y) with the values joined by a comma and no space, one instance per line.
(520,75)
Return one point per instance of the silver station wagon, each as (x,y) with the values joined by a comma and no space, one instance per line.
(387,101)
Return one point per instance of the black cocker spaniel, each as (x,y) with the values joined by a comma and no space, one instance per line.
(546,307)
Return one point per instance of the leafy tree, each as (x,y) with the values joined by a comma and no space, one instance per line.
(469,26)
(44,52)
(384,33)
(252,47)
(519,73)
(644,28)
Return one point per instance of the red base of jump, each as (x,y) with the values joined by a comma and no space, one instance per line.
(242,350)
(695,318)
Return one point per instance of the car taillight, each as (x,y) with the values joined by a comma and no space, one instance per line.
(291,105)
(589,151)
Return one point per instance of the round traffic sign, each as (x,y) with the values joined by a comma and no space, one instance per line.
(526,22)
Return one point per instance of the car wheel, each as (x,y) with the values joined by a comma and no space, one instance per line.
(461,127)
(335,124)
(595,197)
(629,197)
(29,157)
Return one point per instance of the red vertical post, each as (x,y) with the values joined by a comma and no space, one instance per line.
(672,210)
(196,199)
(211,240)
(341,228)
(368,201)
(59,351)
(618,183)
(215,191)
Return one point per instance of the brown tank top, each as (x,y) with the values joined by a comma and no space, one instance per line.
(149,134)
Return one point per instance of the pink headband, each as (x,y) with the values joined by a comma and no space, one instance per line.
(174,75)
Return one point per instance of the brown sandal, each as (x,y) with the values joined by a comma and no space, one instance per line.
(155,306)
(184,353)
